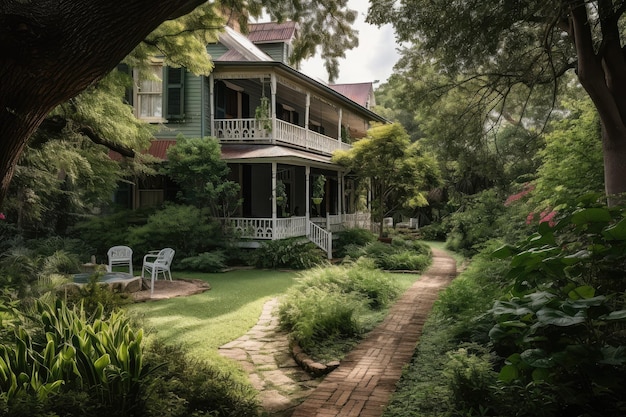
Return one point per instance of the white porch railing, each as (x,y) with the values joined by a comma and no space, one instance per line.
(360,220)
(265,228)
(240,129)
(322,238)
(290,227)
(252,130)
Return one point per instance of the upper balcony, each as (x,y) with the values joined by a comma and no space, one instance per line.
(271,103)
(275,132)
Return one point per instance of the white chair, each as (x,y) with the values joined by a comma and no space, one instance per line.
(156,263)
(120,255)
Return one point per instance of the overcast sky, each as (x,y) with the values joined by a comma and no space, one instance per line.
(372,60)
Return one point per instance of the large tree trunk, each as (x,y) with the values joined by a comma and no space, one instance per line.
(51,50)
(603,75)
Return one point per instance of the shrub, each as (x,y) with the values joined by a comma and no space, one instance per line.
(54,244)
(187,229)
(21,268)
(287,253)
(71,353)
(436,232)
(330,307)
(560,330)
(316,316)
(470,375)
(483,217)
(351,237)
(400,255)
(205,262)
(360,279)
(103,232)
(185,386)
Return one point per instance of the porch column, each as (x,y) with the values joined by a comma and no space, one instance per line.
(307,108)
(274,167)
(212,104)
(342,195)
(273,88)
(307,176)
(339,124)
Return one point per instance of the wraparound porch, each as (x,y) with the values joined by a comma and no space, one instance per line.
(318,230)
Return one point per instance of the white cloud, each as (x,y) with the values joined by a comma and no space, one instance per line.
(372,60)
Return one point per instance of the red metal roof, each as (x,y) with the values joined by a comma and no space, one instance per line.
(158,149)
(358,92)
(271,31)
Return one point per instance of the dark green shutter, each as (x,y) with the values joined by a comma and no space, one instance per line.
(128,80)
(175,93)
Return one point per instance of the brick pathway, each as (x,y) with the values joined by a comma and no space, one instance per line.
(366,378)
(364,382)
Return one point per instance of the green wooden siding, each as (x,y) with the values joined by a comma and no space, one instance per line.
(275,50)
(191,125)
(216,50)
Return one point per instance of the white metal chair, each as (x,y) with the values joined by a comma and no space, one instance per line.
(120,255)
(156,263)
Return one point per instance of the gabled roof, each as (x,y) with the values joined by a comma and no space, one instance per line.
(360,93)
(240,48)
(272,32)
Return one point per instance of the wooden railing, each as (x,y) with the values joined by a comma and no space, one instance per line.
(322,238)
(266,228)
(256,131)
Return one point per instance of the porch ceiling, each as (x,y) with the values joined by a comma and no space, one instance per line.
(269,153)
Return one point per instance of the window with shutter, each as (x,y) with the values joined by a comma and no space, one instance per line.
(149,93)
(175,93)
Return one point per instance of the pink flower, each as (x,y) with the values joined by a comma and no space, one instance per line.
(548,217)
(525,191)
(2,216)
(530,218)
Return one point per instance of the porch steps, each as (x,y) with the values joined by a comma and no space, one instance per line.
(321,237)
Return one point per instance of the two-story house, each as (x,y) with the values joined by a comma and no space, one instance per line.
(277,127)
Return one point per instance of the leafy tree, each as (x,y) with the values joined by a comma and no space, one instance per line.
(572,148)
(511,44)
(196,165)
(50,51)
(396,170)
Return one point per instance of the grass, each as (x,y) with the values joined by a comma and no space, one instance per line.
(204,322)
(460,259)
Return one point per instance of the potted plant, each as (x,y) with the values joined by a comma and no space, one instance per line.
(319,187)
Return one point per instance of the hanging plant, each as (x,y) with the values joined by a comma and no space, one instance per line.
(262,112)
(281,194)
(319,188)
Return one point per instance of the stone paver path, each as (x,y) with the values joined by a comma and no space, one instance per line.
(362,385)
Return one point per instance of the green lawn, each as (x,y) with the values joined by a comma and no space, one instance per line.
(203,322)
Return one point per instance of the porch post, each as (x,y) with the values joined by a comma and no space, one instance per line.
(273,88)
(274,166)
(307,175)
(342,195)
(212,105)
(307,108)
(339,124)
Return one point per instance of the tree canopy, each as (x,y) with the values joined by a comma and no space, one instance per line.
(529,43)
(397,170)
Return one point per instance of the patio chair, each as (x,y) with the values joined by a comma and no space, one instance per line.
(120,255)
(158,263)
